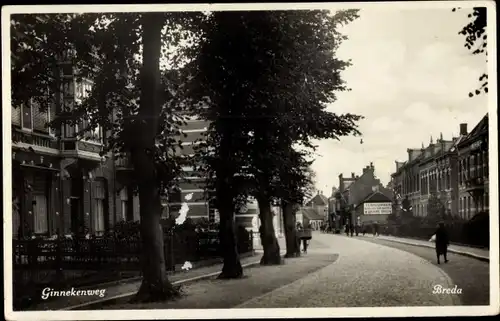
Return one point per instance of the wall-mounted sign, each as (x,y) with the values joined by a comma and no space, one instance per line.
(377,208)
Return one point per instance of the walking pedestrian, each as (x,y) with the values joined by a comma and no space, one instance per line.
(351,229)
(442,243)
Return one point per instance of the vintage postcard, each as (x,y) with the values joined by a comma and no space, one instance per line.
(250,160)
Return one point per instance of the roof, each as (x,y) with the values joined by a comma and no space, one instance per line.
(319,199)
(311,214)
(481,127)
(375,197)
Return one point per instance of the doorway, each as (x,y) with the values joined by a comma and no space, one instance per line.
(76,216)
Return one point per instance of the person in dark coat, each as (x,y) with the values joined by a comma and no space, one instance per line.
(442,242)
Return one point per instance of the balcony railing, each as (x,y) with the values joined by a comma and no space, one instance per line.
(474,183)
(33,138)
(123,162)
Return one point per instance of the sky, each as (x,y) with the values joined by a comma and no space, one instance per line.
(410,79)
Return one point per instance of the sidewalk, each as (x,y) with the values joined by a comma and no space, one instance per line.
(126,288)
(211,293)
(477,253)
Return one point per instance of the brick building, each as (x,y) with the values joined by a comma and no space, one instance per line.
(440,170)
(354,190)
(60,183)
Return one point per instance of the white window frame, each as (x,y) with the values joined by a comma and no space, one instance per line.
(124,203)
(35,214)
(22,117)
(51,130)
(98,217)
(123,206)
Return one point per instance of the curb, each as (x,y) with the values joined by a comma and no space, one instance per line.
(468,254)
(131,294)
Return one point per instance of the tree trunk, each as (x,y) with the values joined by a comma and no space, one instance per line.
(289,220)
(232,268)
(267,235)
(155,285)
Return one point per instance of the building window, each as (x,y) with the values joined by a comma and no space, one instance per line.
(27,117)
(98,220)
(123,204)
(40,214)
(469,207)
(98,217)
(486,166)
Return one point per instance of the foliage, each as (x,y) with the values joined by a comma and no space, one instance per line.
(436,211)
(268,87)
(104,50)
(476,40)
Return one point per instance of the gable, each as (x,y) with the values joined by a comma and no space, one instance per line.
(376,197)
(478,129)
(318,200)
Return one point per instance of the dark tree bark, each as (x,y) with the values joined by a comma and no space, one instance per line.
(289,220)
(267,234)
(155,285)
(232,268)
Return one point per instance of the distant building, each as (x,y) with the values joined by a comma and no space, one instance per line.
(320,203)
(354,191)
(376,207)
(309,216)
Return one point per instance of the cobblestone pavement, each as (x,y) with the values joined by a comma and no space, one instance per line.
(365,275)
(475,286)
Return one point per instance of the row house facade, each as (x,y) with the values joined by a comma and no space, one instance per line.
(473,171)
(438,170)
(429,171)
(60,182)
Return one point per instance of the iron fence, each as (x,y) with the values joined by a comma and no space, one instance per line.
(39,263)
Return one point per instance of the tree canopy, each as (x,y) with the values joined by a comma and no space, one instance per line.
(476,41)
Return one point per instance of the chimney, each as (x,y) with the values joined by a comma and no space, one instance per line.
(371,165)
(353,175)
(463,129)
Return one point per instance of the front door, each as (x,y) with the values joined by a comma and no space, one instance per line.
(76,216)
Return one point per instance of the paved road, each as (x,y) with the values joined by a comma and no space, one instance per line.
(365,275)
(337,272)
(471,275)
